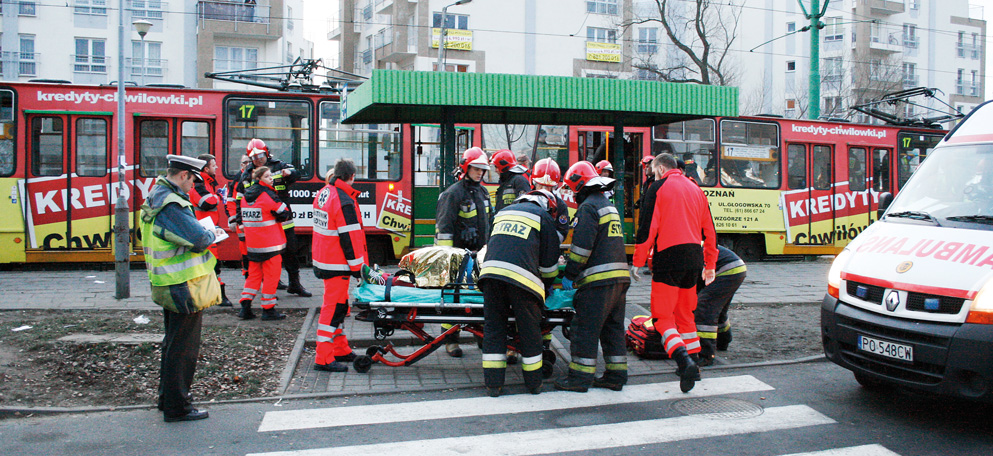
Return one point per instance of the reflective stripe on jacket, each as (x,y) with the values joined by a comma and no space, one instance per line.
(175,250)
(205,199)
(261,215)
(464,204)
(523,249)
(338,246)
(597,255)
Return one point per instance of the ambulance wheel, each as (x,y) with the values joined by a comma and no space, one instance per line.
(371,351)
(870,383)
(547,370)
(362,364)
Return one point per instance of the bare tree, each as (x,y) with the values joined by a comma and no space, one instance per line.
(702,31)
(862,77)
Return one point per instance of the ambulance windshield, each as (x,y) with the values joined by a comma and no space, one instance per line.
(953,186)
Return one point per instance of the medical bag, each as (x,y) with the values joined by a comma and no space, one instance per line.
(644,340)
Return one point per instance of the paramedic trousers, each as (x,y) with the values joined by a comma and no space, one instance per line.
(502,300)
(331,340)
(599,320)
(712,306)
(673,303)
(180,350)
(263,274)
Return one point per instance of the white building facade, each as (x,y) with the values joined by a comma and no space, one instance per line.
(867,47)
(77,41)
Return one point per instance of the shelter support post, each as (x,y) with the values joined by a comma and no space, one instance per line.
(448,153)
(617,161)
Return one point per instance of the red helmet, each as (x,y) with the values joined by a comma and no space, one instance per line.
(503,160)
(546,172)
(256,146)
(579,174)
(604,165)
(543,198)
(647,160)
(473,156)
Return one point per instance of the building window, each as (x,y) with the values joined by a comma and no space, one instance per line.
(910,75)
(90,57)
(833,31)
(959,82)
(975,46)
(289,18)
(235,58)
(791,65)
(648,40)
(26,65)
(832,106)
(910,36)
(26,8)
(289,52)
(451,68)
(790,108)
(147,60)
(790,27)
(974,88)
(960,45)
(832,71)
(452,21)
(91,7)
(601,35)
(148,9)
(601,6)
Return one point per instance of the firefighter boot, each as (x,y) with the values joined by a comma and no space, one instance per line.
(246,310)
(723,340)
(271,314)
(296,287)
(686,369)
(708,352)
(572,383)
(225,302)
(281,285)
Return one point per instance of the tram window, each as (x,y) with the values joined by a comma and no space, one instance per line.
(881,170)
(91,147)
(693,142)
(375,148)
(47,146)
(822,168)
(796,166)
(553,142)
(7,157)
(856,169)
(195,139)
(914,148)
(749,154)
(284,125)
(153,143)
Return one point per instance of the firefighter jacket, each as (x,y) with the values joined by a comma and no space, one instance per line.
(262,213)
(464,215)
(728,263)
(511,186)
(681,222)
(523,249)
(206,199)
(339,247)
(281,184)
(597,255)
(175,244)
(562,221)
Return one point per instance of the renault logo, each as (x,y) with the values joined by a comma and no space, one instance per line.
(904,267)
(892,300)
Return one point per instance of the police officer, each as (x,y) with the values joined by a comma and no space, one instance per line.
(512,180)
(598,268)
(464,215)
(206,199)
(521,263)
(283,176)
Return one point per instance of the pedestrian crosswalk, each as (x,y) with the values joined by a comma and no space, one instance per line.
(558,438)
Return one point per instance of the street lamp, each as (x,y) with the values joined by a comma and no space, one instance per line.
(142,26)
(444,32)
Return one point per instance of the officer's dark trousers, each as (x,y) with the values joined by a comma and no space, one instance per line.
(290,260)
(502,300)
(180,350)
(711,312)
(599,318)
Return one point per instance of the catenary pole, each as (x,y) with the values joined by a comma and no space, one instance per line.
(122,250)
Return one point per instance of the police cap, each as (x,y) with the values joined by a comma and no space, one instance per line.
(185,163)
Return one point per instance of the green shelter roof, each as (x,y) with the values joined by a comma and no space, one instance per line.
(394,96)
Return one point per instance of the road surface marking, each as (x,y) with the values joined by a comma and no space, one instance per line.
(864,450)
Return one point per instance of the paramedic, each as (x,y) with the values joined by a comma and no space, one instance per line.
(339,251)
(521,263)
(512,180)
(683,243)
(598,267)
(464,215)
(713,300)
(262,213)
(206,199)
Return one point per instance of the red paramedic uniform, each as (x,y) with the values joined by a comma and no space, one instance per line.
(262,214)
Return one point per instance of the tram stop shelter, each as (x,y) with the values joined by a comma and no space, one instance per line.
(394,96)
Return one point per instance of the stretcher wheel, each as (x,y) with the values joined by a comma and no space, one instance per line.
(362,364)
(547,370)
(567,332)
(548,357)
(371,351)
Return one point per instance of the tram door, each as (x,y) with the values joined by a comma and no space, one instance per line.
(594,146)
(69,197)
(425,150)
(811,170)
(863,179)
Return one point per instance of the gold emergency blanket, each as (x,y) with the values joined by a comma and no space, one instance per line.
(435,267)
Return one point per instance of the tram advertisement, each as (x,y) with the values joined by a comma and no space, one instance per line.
(827,217)
(743,209)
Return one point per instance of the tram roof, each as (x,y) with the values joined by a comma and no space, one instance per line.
(394,96)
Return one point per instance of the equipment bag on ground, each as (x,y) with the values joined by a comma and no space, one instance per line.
(644,340)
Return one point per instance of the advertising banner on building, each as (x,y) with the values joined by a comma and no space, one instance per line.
(603,52)
(454,39)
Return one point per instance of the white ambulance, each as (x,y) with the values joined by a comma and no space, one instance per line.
(910,300)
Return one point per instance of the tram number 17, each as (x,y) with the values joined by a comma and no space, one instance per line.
(246,113)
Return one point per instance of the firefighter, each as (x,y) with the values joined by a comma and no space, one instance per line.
(649,177)
(464,215)
(605,169)
(597,267)
(713,301)
(262,214)
(206,199)
(547,176)
(521,263)
(283,176)
(682,242)
(339,251)
(512,180)
(234,216)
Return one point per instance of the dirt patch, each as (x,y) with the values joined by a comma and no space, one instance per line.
(238,359)
(773,333)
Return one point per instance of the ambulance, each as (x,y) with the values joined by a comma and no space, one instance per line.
(910,300)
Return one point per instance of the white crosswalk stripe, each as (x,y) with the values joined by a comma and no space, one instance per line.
(864,450)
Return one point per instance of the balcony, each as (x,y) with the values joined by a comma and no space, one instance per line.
(910,81)
(395,52)
(146,67)
(887,43)
(334,28)
(967,89)
(911,43)
(967,51)
(26,63)
(885,7)
(383,6)
(237,20)
(148,9)
(82,63)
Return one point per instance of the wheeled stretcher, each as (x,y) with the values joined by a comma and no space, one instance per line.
(460,305)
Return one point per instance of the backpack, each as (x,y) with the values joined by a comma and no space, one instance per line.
(644,340)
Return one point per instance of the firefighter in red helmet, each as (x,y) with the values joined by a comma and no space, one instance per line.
(512,180)
(648,178)
(548,176)
(605,169)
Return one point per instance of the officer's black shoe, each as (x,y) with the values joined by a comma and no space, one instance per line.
(494,391)
(723,340)
(299,290)
(246,310)
(568,383)
(271,314)
(346,358)
(334,366)
(225,302)
(281,285)
(601,382)
(192,416)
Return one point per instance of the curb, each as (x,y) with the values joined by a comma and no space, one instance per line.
(294,358)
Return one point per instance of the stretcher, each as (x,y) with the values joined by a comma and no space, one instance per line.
(458,304)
